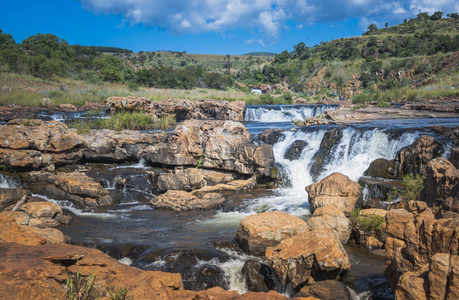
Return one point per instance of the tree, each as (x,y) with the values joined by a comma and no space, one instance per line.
(282,57)
(438,15)
(454,16)
(372,28)
(423,16)
(387,24)
(6,40)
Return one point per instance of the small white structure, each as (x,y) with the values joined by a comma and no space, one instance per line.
(257,91)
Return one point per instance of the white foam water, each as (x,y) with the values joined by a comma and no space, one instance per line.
(7,182)
(284,113)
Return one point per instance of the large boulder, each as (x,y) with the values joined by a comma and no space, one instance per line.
(181,179)
(105,145)
(337,190)
(257,232)
(31,144)
(325,155)
(220,145)
(313,256)
(76,186)
(442,186)
(381,168)
(271,136)
(330,217)
(181,201)
(414,158)
(259,276)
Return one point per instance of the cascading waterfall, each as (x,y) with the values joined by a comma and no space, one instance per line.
(284,113)
(7,182)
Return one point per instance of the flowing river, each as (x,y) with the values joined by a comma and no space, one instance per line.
(136,234)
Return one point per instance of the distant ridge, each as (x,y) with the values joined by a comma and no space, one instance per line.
(261,54)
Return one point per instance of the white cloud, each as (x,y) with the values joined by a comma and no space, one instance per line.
(256,41)
(268,17)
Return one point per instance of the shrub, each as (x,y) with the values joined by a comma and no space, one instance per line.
(412,186)
(367,223)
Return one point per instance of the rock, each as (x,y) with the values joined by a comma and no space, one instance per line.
(40,272)
(209,276)
(181,201)
(218,145)
(181,179)
(6,89)
(257,232)
(377,191)
(258,276)
(325,155)
(438,275)
(381,168)
(326,290)
(312,256)
(414,158)
(271,136)
(337,190)
(370,212)
(10,197)
(112,146)
(295,150)
(76,186)
(411,286)
(51,235)
(329,217)
(10,231)
(42,209)
(234,185)
(312,122)
(442,184)
(31,144)
(455,157)
(182,109)
(20,217)
(215,177)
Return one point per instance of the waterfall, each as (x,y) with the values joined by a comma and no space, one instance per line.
(8,182)
(284,113)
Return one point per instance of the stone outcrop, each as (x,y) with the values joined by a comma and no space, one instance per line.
(337,190)
(307,258)
(11,232)
(76,186)
(111,146)
(182,109)
(32,144)
(420,249)
(295,150)
(257,232)
(181,201)
(181,179)
(41,214)
(414,158)
(258,276)
(329,217)
(442,187)
(221,145)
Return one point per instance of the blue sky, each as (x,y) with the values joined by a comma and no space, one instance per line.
(207,26)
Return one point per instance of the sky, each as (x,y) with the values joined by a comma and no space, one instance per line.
(224,27)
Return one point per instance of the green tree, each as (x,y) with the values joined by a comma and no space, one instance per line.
(372,28)
(438,15)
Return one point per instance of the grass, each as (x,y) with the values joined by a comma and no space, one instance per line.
(367,223)
(80,287)
(403,95)
(124,120)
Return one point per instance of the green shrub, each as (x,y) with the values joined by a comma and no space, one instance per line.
(133,86)
(412,185)
(366,223)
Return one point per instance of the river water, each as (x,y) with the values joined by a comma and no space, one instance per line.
(143,237)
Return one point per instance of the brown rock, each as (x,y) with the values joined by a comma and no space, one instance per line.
(452,290)
(330,217)
(257,232)
(42,209)
(438,275)
(414,158)
(181,201)
(315,255)
(31,272)
(442,184)
(337,190)
(20,217)
(411,287)
(51,235)
(219,145)
(370,212)
(326,290)
(181,179)
(12,232)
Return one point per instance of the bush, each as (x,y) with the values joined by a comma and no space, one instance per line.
(133,86)
(367,223)
(412,186)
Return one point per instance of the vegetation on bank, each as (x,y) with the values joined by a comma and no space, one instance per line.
(125,121)
(406,62)
(366,223)
(412,186)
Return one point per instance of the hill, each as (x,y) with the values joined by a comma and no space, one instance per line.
(269,54)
